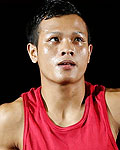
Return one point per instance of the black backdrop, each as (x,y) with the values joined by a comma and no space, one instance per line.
(18,74)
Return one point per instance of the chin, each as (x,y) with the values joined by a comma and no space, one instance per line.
(62,79)
(65,81)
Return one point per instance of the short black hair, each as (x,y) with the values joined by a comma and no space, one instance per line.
(50,9)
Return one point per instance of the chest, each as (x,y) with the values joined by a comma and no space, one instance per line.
(91,132)
(84,138)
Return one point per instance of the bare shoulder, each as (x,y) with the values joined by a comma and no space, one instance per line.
(12,111)
(11,124)
(113,102)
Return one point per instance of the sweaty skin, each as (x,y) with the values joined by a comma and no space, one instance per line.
(62,40)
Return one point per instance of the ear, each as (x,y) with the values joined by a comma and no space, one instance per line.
(32,51)
(90,48)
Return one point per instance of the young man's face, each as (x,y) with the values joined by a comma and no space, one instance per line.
(63,51)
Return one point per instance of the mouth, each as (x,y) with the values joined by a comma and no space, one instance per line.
(67,64)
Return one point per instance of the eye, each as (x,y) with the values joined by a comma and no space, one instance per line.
(54,39)
(78,39)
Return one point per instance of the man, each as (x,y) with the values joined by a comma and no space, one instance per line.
(65,112)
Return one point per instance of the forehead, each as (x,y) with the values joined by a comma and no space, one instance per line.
(66,23)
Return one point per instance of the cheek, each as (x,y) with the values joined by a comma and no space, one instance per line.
(83,55)
(84,52)
(45,51)
(83,60)
(46,56)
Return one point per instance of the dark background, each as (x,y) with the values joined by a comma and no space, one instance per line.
(18,74)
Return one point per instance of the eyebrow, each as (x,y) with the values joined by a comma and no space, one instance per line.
(78,32)
(54,33)
(74,33)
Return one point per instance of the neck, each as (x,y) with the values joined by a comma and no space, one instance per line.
(59,97)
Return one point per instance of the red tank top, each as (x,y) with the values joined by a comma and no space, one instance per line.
(92,132)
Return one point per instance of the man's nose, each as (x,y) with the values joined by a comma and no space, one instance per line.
(67,48)
(67,52)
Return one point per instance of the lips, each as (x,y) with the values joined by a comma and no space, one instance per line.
(67,62)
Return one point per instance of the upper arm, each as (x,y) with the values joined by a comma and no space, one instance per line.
(11,124)
(113,102)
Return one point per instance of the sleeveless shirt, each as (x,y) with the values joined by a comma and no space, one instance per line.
(92,132)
